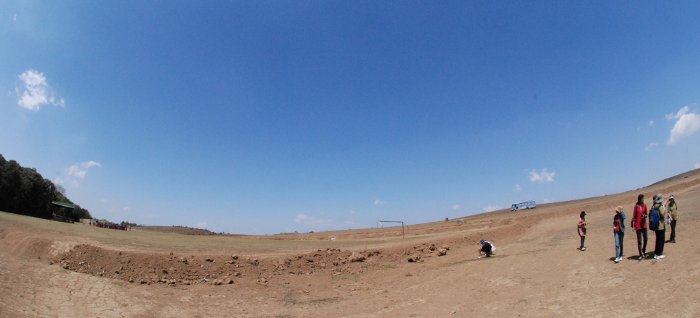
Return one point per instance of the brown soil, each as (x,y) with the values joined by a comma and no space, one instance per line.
(77,271)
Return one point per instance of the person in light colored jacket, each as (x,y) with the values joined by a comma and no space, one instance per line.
(659,232)
(673,217)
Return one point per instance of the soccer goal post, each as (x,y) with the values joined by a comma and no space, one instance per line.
(403,229)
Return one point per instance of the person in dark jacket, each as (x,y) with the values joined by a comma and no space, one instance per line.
(486,249)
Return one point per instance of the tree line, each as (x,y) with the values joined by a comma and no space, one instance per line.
(24,191)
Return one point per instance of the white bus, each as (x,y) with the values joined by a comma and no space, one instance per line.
(523,205)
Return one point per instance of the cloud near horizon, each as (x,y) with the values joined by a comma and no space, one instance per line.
(687,124)
(543,176)
(379,202)
(76,173)
(313,222)
(36,91)
(201,225)
(492,208)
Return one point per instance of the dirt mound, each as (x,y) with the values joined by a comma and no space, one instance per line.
(25,245)
(173,269)
(189,269)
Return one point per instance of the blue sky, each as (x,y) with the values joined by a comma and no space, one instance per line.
(262,117)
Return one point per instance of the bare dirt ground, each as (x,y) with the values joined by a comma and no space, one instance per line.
(51,269)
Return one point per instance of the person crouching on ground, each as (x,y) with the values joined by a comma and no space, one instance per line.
(639,223)
(486,249)
(582,230)
(619,233)
(657,224)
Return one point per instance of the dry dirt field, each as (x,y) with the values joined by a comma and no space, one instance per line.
(51,269)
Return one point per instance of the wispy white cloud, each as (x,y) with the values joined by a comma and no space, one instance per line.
(651,123)
(37,91)
(687,123)
(542,176)
(678,114)
(492,208)
(313,222)
(518,188)
(456,207)
(80,170)
(379,202)
(301,218)
(651,146)
(76,173)
(348,223)
(201,225)
(14,18)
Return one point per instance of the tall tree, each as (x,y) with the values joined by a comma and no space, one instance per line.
(26,191)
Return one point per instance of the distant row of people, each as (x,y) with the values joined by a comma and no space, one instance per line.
(643,219)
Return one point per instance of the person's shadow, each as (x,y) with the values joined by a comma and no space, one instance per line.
(636,257)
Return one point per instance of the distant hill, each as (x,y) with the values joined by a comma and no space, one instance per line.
(174,229)
(684,175)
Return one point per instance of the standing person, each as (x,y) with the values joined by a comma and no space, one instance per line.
(619,232)
(673,217)
(582,230)
(657,224)
(639,223)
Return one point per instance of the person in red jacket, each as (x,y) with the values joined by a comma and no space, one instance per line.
(640,225)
